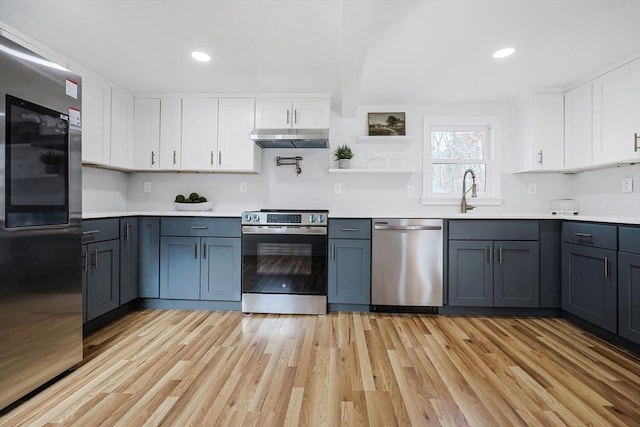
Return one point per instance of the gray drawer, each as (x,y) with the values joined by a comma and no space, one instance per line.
(479,229)
(97,230)
(629,239)
(596,235)
(340,228)
(195,226)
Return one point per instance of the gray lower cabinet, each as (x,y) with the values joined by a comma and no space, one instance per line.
(220,269)
(629,283)
(128,259)
(100,266)
(589,284)
(349,266)
(349,271)
(149,257)
(198,267)
(493,273)
(179,268)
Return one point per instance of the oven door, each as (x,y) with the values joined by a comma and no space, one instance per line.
(282,261)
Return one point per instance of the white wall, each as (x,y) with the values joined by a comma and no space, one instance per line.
(599,193)
(103,190)
(367,194)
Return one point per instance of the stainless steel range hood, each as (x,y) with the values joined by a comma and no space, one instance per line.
(291,138)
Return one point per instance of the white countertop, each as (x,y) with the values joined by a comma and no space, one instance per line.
(472,215)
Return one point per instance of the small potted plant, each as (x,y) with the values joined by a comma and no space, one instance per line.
(343,156)
(52,161)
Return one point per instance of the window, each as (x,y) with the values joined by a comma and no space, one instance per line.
(451,146)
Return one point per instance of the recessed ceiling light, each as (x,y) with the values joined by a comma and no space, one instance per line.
(200,56)
(503,53)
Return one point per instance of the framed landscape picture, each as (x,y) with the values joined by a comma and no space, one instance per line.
(386,124)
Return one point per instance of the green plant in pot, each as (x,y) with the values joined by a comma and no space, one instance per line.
(344,155)
(52,161)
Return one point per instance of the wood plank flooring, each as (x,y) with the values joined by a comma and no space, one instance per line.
(200,368)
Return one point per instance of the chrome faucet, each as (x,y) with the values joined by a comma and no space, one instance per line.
(464,207)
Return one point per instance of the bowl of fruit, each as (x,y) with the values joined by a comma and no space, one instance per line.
(194,202)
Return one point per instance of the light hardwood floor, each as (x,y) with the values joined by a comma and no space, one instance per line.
(199,368)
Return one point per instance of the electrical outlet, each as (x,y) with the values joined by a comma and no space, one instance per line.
(147,186)
(337,188)
(531,188)
(411,190)
(627,185)
(243,188)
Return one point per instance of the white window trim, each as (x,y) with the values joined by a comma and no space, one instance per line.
(493,196)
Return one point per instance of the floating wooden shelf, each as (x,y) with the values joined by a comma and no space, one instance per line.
(383,138)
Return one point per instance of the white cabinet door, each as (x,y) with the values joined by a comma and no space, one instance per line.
(311,113)
(297,113)
(95,116)
(146,133)
(237,151)
(273,113)
(616,115)
(200,134)
(121,129)
(548,131)
(170,133)
(578,141)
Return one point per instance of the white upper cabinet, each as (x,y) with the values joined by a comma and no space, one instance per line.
(237,152)
(96,118)
(616,115)
(170,133)
(296,113)
(540,122)
(200,134)
(578,119)
(146,133)
(121,129)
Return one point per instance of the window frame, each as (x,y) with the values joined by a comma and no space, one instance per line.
(492,195)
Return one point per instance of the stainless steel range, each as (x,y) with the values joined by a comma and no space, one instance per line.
(284,262)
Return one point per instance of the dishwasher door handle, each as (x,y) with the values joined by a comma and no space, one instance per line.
(407,227)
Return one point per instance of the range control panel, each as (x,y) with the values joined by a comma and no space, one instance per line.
(303,218)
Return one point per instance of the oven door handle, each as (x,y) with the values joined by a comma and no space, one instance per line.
(316,231)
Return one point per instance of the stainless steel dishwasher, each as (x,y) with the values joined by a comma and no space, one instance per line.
(406,264)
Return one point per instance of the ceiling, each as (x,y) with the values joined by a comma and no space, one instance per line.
(363,52)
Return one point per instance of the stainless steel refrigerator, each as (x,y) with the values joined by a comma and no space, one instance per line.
(40,221)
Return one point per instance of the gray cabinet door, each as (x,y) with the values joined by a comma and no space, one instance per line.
(220,269)
(516,274)
(128,259)
(589,284)
(629,296)
(180,268)
(471,273)
(85,272)
(103,278)
(149,258)
(349,271)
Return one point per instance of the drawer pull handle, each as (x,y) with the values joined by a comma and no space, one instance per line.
(636,138)
(199,227)
(500,254)
(195,250)
(94,260)
(174,157)
(583,235)
(153,158)
(85,264)
(85,233)
(540,157)
(333,252)
(349,229)
(606,267)
(489,256)
(204,250)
